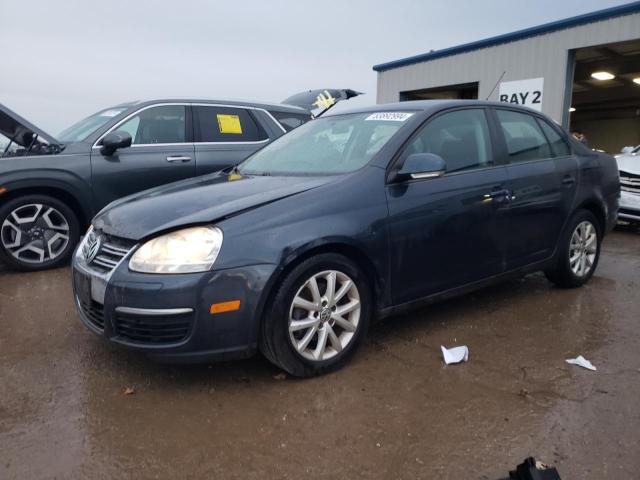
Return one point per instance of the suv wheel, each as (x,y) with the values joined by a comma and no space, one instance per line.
(319,315)
(37,232)
(579,252)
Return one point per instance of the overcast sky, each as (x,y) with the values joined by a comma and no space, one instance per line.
(63,60)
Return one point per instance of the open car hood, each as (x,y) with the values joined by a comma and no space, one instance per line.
(319,101)
(20,130)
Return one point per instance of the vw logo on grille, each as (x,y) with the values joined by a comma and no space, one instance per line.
(93,247)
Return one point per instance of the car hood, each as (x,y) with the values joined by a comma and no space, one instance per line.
(20,130)
(196,201)
(629,163)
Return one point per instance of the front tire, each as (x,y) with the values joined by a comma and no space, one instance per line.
(578,252)
(318,316)
(37,232)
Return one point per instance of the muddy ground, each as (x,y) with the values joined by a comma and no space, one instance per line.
(394,412)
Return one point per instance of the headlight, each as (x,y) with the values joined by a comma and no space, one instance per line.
(190,250)
(83,243)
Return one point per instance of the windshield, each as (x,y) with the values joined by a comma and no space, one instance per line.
(328,145)
(81,130)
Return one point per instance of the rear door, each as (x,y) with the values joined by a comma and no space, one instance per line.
(541,183)
(447,232)
(161,152)
(226,135)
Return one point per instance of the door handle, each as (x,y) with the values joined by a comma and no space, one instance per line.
(568,180)
(178,158)
(499,194)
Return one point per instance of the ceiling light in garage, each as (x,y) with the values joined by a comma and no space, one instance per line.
(572,109)
(636,80)
(603,76)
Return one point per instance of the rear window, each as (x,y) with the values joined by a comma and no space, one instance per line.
(559,147)
(226,124)
(290,120)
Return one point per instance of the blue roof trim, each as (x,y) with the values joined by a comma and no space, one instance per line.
(591,17)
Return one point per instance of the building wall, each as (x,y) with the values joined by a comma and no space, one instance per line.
(540,56)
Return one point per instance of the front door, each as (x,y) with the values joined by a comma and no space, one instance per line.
(536,179)
(447,232)
(161,152)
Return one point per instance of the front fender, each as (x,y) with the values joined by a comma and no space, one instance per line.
(47,179)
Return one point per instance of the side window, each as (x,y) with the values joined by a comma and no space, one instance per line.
(524,138)
(461,138)
(162,124)
(290,120)
(559,147)
(226,124)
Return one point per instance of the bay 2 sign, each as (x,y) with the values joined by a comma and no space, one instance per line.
(523,92)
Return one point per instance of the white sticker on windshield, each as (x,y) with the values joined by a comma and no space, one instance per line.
(110,113)
(389,116)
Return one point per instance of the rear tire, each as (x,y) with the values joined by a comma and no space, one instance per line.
(318,317)
(37,232)
(578,251)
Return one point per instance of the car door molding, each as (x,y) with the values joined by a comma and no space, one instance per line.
(183,104)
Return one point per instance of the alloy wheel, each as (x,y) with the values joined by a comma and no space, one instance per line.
(324,315)
(35,233)
(583,248)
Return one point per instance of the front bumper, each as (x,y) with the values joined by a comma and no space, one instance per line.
(629,206)
(168,316)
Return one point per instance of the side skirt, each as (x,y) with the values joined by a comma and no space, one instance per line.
(458,291)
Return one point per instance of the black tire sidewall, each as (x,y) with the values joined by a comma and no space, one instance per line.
(72,221)
(277,322)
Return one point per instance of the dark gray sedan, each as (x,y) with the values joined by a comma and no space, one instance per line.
(347,217)
(50,187)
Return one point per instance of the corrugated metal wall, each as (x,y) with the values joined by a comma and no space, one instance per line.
(540,56)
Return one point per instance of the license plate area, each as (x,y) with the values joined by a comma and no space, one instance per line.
(90,288)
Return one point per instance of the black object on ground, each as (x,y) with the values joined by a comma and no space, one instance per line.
(531,470)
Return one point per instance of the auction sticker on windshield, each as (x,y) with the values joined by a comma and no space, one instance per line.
(390,116)
(110,113)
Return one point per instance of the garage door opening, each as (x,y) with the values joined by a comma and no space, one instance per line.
(605,102)
(465,91)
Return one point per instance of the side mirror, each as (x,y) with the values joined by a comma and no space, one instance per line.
(115,140)
(422,165)
(627,150)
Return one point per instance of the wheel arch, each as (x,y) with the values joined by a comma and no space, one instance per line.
(59,192)
(343,247)
(598,210)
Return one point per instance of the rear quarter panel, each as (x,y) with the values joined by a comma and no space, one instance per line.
(599,184)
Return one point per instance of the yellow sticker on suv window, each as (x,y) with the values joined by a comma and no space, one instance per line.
(229,123)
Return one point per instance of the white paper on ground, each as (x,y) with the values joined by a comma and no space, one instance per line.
(582,362)
(455,354)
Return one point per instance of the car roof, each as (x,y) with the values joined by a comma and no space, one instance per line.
(279,107)
(432,106)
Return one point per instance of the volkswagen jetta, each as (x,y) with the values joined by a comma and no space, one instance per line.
(348,217)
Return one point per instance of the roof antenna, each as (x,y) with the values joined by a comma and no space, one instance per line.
(495,86)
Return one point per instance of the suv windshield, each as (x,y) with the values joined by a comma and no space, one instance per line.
(328,145)
(81,130)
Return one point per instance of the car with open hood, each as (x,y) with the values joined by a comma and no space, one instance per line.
(50,187)
(629,168)
(346,218)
